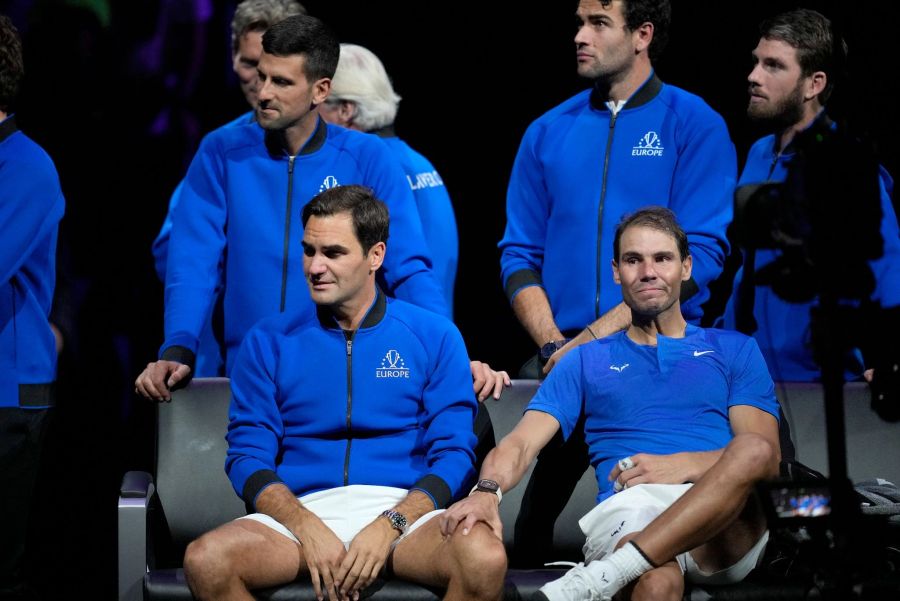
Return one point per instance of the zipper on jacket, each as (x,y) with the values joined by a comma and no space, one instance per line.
(287,232)
(348,334)
(609,139)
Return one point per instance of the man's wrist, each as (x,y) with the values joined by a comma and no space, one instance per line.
(491,487)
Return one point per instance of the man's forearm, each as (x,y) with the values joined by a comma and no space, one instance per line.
(415,505)
(532,308)
(506,464)
(279,502)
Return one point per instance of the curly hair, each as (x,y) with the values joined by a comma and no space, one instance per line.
(11,67)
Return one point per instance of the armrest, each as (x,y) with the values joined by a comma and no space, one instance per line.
(135,494)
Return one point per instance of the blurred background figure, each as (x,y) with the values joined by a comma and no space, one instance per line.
(31,206)
(363,99)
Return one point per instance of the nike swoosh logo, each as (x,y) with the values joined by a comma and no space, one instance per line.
(699,353)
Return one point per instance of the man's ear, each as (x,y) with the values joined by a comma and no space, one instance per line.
(642,36)
(376,256)
(615,268)
(688,268)
(321,89)
(816,84)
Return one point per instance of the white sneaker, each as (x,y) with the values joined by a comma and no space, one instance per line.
(576,585)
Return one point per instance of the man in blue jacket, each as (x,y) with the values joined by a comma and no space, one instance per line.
(350,427)
(794,73)
(250,21)
(244,190)
(629,141)
(31,205)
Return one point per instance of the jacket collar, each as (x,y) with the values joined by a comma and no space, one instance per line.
(275,143)
(373,317)
(644,94)
(8,127)
(385,132)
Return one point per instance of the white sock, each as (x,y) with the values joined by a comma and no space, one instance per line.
(620,568)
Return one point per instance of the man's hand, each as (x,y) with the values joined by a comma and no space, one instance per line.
(159,378)
(324,553)
(477,507)
(487,382)
(366,556)
(661,469)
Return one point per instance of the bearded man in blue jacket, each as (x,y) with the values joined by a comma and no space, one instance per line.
(350,428)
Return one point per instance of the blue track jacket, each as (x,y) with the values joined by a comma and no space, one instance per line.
(242,199)
(31,205)
(317,407)
(580,168)
(783,328)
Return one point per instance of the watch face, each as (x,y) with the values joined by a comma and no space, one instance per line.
(488,486)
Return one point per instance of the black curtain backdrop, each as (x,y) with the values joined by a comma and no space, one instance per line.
(472,75)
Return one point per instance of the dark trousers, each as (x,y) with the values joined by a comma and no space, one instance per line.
(557,471)
(21,437)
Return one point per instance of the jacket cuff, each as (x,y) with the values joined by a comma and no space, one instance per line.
(522,279)
(255,485)
(436,488)
(181,354)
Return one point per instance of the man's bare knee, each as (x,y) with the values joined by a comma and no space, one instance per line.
(206,566)
(661,584)
(479,562)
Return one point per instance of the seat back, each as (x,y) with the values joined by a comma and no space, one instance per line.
(567,536)
(194,492)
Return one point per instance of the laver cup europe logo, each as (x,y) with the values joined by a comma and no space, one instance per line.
(392,366)
(648,146)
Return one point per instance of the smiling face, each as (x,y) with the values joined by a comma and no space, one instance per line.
(650,271)
(339,274)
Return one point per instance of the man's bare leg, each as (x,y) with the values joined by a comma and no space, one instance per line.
(700,515)
(225,563)
(471,566)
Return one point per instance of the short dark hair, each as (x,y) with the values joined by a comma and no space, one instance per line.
(306,35)
(818,48)
(371,220)
(657,218)
(638,12)
(11,66)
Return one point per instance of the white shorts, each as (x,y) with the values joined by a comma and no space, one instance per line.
(347,509)
(632,509)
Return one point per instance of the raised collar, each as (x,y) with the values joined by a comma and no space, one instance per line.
(644,94)
(275,142)
(8,127)
(822,121)
(373,317)
(385,132)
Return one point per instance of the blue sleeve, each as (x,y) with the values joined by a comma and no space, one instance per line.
(406,273)
(255,427)
(32,205)
(702,198)
(449,415)
(751,383)
(887,268)
(195,250)
(562,393)
(160,247)
(527,212)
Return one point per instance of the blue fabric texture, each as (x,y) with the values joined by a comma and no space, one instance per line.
(669,398)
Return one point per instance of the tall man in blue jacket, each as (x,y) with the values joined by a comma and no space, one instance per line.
(794,73)
(31,205)
(629,141)
(663,404)
(243,191)
(349,428)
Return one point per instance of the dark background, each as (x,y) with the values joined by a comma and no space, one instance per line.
(472,76)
